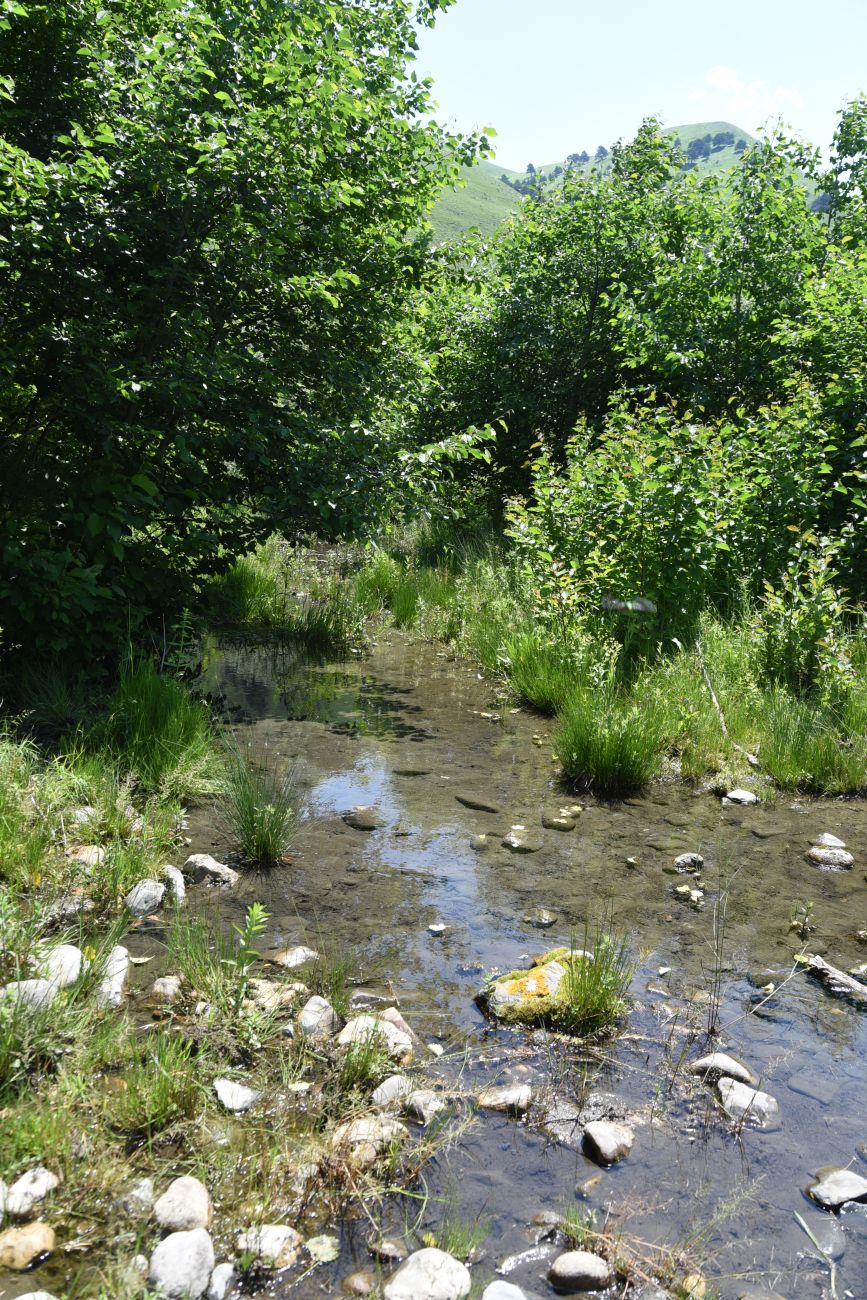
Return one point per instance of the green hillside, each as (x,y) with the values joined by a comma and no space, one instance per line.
(484,199)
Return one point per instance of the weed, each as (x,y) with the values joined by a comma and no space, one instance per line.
(258,806)
(594,986)
(330,978)
(364,1064)
(578,1226)
(159,1086)
(457,1236)
(539,671)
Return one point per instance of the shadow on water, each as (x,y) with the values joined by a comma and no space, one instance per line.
(404,730)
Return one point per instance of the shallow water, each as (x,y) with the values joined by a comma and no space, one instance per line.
(404,729)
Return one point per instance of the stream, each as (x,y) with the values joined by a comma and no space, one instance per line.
(407,729)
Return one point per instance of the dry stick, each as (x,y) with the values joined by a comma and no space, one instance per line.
(751,758)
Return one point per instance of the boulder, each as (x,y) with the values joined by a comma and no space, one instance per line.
(742,1102)
(22,1247)
(429,1274)
(144,898)
(579,1270)
(607,1142)
(29,1191)
(182,1264)
(514,1098)
(207,870)
(185,1204)
(834,1187)
(273,1244)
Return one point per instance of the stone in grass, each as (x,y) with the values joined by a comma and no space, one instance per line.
(185,1204)
(139,1199)
(532,996)
(380,1033)
(742,1102)
(37,1295)
(29,993)
(317,1019)
(429,1274)
(182,1264)
(166,989)
(718,1065)
(607,1142)
(579,1270)
(834,1187)
(22,1247)
(273,1244)
(110,991)
(292,957)
(364,1140)
(63,965)
(392,1091)
(513,1098)
(29,1191)
(689,862)
(144,898)
(221,1282)
(236,1097)
(175,884)
(207,870)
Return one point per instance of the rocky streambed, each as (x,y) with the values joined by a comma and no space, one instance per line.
(715,1146)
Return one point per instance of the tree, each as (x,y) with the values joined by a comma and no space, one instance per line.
(601,153)
(210,219)
(531,170)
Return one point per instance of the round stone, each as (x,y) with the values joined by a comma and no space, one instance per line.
(579,1270)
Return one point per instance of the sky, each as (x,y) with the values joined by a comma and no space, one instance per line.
(554,77)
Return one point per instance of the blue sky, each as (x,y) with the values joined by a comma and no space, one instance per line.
(558,76)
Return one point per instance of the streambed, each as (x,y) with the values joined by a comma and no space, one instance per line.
(407,730)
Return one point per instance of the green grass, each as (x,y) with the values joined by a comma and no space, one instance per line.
(806,747)
(594,991)
(609,742)
(159,1084)
(365,1063)
(257,806)
(539,671)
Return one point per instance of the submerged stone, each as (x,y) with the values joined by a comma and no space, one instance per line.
(742,1102)
(520,840)
(540,917)
(834,1187)
(561,821)
(607,1141)
(827,841)
(719,1065)
(513,1098)
(477,802)
(363,818)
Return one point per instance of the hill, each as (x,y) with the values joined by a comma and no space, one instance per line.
(488,193)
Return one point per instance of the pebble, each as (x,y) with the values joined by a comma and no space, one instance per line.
(742,796)
(292,957)
(273,1244)
(540,917)
(235,1096)
(424,1104)
(29,1191)
(512,1098)
(144,898)
(607,1141)
(363,818)
(689,862)
(166,989)
(361,1283)
(834,1187)
(21,1247)
(63,965)
(364,1140)
(579,1270)
(222,1279)
(719,1065)
(317,1019)
(831,859)
(479,842)
(429,1274)
(182,1264)
(110,991)
(740,1102)
(175,884)
(520,840)
(207,870)
(185,1204)
(29,993)
(437,928)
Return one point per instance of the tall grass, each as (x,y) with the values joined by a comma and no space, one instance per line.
(540,671)
(808,747)
(592,998)
(608,742)
(160,1085)
(258,805)
(156,729)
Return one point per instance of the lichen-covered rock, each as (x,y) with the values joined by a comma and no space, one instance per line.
(534,996)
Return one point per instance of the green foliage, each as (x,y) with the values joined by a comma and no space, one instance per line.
(160,1085)
(207,251)
(609,741)
(595,986)
(258,805)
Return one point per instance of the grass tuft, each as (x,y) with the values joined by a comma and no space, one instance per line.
(258,806)
(610,743)
(593,995)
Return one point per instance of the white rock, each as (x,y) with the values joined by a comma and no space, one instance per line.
(317,1019)
(182,1265)
(503,1291)
(837,1186)
(176,884)
(89,855)
(579,1270)
(740,1101)
(437,928)
(742,796)
(293,957)
(27,1192)
(185,1204)
(37,1295)
(514,1098)
(396,1088)
(272,1244)
(835,859)
(386,1035)
(110,991)
(203,868)
(221,1280)
(365,1140)
(392,1016)
(235,1096)
(829,841)
(429,1274)
(719,1065)
(144,898)
(166,989)
(82,815)
(608,1141)
(29,993)
(63,965)
(140,1197)
(4,1192)
(424,1104)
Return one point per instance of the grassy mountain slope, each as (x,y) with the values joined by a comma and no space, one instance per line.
(484,199)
